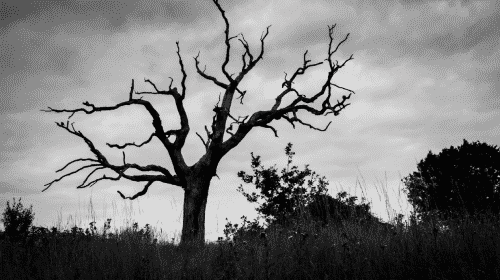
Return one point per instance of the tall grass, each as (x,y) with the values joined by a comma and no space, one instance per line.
(467,249)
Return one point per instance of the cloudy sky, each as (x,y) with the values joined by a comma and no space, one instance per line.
(425,74)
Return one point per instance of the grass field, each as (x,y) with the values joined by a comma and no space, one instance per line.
(467,249)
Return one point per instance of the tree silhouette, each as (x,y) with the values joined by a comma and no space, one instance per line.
(456,182)
(286,199)
(195,179)
(283,196)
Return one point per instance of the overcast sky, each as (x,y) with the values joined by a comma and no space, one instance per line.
(425,74)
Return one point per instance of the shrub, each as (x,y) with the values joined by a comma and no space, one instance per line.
(283,196)
(289,202)
(325,208)
(17,221)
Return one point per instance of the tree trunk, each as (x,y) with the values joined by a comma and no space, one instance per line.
(195,203)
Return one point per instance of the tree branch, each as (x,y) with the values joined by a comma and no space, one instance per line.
(242,94)
(171,91)
(184,75)
(141,193)
(131,90)
(288,83)
(130,144)
(174,149)
(270,127)
(295,118)
(203,141)
(232,87)
(236,121)
(102,163)
(228,45)
(208,77)
(263,118)
(181,134)
(210,135)
(247,52)
(252,62)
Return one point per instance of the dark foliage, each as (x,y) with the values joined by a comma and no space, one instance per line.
(286,199)
(17,220)
(327,209)
(456,182)
(282,195)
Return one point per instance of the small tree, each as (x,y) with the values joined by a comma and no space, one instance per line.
(286,201)
(283,196)
(456,182)
(17,220)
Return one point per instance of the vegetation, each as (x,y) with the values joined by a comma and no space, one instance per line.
(462,181)
(17,220)
(286,200)
(283,197)
(468,249)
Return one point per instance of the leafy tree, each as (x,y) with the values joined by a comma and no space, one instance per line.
(283,196)
(286,199)
(17,220)
(195,180)
(456,182)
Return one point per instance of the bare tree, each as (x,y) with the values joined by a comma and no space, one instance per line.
(195,179)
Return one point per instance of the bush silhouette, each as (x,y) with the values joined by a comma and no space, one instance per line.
(17,221)
(326,209)
(287,201)
(457,182)
(284,195)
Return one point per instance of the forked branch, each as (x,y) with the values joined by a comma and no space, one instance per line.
(102,163)
(300,103)
(222,113)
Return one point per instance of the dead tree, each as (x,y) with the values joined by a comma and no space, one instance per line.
(195,179)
